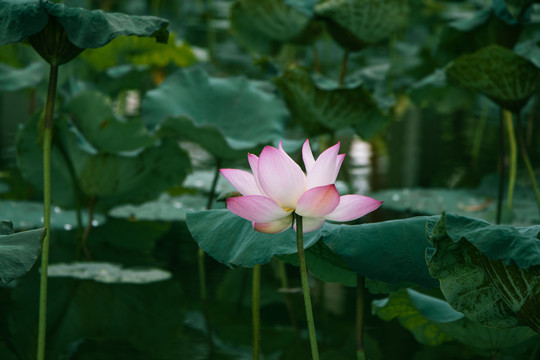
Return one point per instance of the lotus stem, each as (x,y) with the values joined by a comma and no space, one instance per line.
(507,116)
(47,141)
(201,265)
(360,285)
(256,310)
(343,72)
(305,288)
(525,156)
(285,285)
(501,170)
(84,239)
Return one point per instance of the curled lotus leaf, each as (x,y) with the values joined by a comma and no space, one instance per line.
(498,73)
(320,105)
(491,273)
(263,25)
(84,28)
(357,23)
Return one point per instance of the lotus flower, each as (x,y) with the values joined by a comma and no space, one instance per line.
(278,187)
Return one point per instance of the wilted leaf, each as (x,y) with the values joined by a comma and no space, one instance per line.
(491,273)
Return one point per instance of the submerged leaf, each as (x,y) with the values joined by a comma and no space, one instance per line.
(107,273)
(490,273)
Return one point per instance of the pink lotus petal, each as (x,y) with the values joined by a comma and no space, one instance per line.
(353,207)
(242,181)
(256,208)
(318,201)
(254,164)
(323,171)
(310,224)
(275,226)
(280,177)
(307,156)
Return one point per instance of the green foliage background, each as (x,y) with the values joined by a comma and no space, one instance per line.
(141,127)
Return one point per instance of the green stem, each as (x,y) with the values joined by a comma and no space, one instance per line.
(47,141)
(84,239)
(501,170)
(478,136)
(200,262)
(343,72)
(285,285)
(256,311)
(360,285)
(525,156)
(305,287)
(507,116)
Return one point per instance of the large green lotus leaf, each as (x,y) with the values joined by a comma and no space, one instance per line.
(433,321)
(140,51)
(357,23)
(84,28)
(13,79)
(18,251)
(325,265)
(389,251)
(232,240)
(18,20)
(491,273)
(499,73)
(29,214)
(107,132)
(240,110)
(321,106)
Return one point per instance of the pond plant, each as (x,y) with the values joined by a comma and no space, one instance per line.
(137,140)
